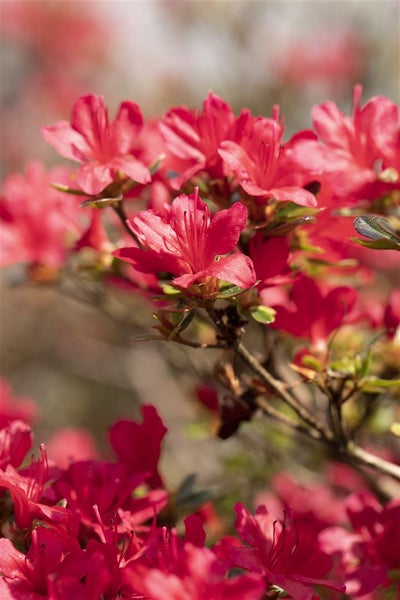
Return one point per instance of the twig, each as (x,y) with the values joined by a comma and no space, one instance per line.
(280,388)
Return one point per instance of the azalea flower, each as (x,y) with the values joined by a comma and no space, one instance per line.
(15,408)
(314,314)
(128,439)
(194,138)
(189,243)
(263,167)
(31,576)
(103,148)
(286,553)
(358,155)
(15,443)
(37,221)
(185,569)
(370,554)
(28,492)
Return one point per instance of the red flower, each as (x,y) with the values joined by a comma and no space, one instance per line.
(270,256)
(359,155)
(12,408)
(138,446)
(15,443)
(30,577)
(391,317)
(174,568)
(195,138)
(370,554)
(197,576)
(263,166)
(313,314)
(286,553)
(35,219)
(187,242)
(28,494)
(89,483)
(104,149)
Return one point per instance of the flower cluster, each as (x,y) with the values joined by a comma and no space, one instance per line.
(225,229)
(94,528)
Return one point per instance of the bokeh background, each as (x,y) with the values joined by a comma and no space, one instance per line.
(74,351)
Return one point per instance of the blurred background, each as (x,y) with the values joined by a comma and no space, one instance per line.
(80,363)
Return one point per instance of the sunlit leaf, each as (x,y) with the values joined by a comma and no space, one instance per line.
(374,385)
(263,314)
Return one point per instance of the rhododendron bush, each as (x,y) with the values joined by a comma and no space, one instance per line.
(277,257)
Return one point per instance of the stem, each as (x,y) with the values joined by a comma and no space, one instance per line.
(280,389)
(367,459)
(120,211)
(266,408)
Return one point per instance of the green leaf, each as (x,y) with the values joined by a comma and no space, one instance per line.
(284,228)
(377,244)
(263,314)
(64,188)
(189,498)
(228,290)
(374,385)
(186,487)
(169,289)
(362,366)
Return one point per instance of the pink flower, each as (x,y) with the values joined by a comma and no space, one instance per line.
(31,576)
(12,408)
(270,256)
(104,149)
(190,244)
(263,167)
(88,483)
(370,554)
(198,575)
(314,314)
(138,446)
(36,221)
(28,495)
(15,443)
(71,445)
(286,553)
(194,138)
(184,569)
(391,317)
(358,155)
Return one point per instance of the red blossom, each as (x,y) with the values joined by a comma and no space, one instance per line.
(97,483)
(370,554)
(313,313)
(30,576)
(270,257)
(12,408)
(172,568)
(29,500)
(287,553)
(103,148)
(391,317)
(15,443)
(194,138)
(129,439)
(189,243)
(358,155)
(37,222)
(71,445)
(263,165)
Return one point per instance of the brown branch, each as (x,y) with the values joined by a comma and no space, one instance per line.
(280,388)
(365,458)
